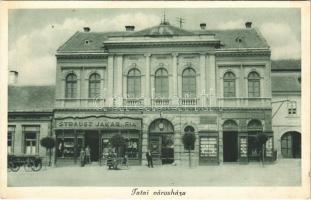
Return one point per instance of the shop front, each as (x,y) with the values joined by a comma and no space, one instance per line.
(92,134)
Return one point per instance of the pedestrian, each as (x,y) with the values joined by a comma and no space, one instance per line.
(82,157)
(88,154)
(149,158)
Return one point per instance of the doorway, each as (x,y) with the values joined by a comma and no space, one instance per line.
(230,146)
(92,140)
(291,145)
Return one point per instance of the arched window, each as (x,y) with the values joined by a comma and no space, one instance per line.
(161,83)
(71,86)
(94,85)
(253,84)
(229,84)
(189,83)
(134,83)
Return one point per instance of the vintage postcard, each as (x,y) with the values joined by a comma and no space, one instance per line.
(155,100)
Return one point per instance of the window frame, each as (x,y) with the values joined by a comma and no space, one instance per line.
(188,83)
(11,131)
(161,79)
(35,130)
(253,83)
(94,85)
(71,86)
(134,81)
(230,90)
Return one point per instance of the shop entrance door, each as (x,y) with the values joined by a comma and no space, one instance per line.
(230,146)
(92,140)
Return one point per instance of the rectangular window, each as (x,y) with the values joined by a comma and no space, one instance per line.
(11,133)
(229,88)
(31,138)
(292,108)
(253,88)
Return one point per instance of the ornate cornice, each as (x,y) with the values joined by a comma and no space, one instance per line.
(243,53)
(74,55)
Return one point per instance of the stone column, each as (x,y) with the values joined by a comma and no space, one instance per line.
(147,86)
(202,91)
(175,79)
(213,91)
(109,99)
(118,80)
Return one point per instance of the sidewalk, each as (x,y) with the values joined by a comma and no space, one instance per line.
(284,172)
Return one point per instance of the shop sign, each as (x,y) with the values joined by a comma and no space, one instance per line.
(98,123)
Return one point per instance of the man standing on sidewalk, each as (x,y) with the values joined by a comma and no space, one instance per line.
(149,158)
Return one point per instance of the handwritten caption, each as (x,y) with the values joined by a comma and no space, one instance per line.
(158,192)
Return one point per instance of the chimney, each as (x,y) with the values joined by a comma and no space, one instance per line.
(86,29)
(248,25)
(203,26)
(13,76)
(129,28)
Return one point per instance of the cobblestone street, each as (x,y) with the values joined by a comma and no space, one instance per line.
(284,172)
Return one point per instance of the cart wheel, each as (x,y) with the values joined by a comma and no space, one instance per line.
(14,167)
(36,166)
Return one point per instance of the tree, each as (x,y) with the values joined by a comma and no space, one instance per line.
(118,141)
(262,139)
(188,141)
(48,143)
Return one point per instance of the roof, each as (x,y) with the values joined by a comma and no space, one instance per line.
(31,98)
(162,30)
(235,38)
(286,65)
(250,38)
(285,84)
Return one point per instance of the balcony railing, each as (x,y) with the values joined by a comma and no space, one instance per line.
(189,102)
(80,102)
(244,102)
(161,102)
(133,102)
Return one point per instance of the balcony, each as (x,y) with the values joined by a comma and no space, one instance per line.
(161,102)
(80,102)
(133,102)
(244,102)
(189,102)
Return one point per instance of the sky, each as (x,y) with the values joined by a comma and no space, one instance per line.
(35,35)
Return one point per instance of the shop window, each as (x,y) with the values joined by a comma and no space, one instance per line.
(161,83)
(269,147)
(71,86)
(65,147)
(94,85)
(134,84)
(11,133)
(243,146)
(292,108)
(31,139)
(189,83)
(253,84)
(132,148)
(208,147)
(229,84)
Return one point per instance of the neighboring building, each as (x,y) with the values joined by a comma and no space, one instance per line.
(154,85)
(286,107)
(30,113)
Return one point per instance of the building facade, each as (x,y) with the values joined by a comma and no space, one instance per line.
(154,85)
(286,107)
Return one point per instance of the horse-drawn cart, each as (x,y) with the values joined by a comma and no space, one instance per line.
(30,162)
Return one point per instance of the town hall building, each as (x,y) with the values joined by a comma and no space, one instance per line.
(152,86)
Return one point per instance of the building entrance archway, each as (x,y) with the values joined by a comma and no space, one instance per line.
(291,145)
(161,141)
(230,141)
